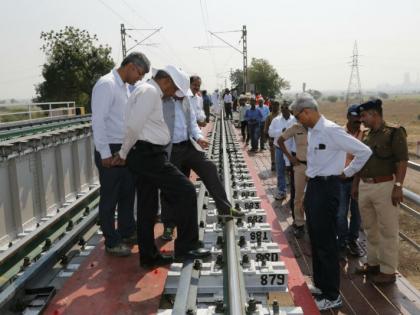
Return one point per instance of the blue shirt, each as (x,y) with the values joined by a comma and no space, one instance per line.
(265,111)
(253,116)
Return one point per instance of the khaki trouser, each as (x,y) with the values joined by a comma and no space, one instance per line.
(300,183)
(380,222)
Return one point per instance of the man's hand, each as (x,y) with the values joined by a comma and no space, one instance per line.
(294,161)
(107,162)
(117,160)
(203,143)
(397,195)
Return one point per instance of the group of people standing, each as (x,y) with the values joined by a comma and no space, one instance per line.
(333,170)
(146,142)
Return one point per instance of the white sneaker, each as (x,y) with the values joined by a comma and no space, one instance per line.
(314,290)
(326,304)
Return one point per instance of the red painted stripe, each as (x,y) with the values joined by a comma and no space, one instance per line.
(297,285)
(109,285)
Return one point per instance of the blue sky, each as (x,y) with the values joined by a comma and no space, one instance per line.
(307,41)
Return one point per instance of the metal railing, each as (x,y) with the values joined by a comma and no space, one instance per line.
(415,199)
(37,110)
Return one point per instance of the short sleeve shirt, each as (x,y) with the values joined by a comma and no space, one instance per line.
(300,135)
(389,146)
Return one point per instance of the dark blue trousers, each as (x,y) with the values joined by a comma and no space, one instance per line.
(321,205)
(117,191)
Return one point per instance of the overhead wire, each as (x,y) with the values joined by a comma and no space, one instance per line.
(206,22)
(172,55)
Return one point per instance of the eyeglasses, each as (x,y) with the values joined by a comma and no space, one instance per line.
(140,71)
(297,115)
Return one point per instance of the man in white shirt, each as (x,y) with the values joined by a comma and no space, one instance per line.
(277,127)
(328,145)
(109,101)
(227,99)
(243,107)
(185,156)
(196,100)
(215,102)
(144,148)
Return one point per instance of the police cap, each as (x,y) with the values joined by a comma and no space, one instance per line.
(373,104)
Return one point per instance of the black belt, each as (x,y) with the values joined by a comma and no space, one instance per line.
(324,178)
(182,142)
(141,143)
(303,162)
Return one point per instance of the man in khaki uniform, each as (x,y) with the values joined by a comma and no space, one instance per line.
(379,186)
(300,135)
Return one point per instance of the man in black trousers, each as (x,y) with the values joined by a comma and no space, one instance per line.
(328,144)
(186,155)
(144,145)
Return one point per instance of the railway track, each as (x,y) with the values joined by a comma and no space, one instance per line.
(245,274)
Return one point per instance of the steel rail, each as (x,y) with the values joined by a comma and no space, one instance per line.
(42,126)
(49,258)
(186,296)
(235,279)
(414,166)
(409,240)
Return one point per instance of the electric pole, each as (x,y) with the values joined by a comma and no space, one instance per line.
(245,57)
(124,48)
(138,43)
(244,51)
(354,90)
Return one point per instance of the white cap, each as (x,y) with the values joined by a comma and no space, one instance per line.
(179,77)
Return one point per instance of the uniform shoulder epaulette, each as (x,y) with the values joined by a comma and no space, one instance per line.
(392,125)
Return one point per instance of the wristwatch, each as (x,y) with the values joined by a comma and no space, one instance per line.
(398,184)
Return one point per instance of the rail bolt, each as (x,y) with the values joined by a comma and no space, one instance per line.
(220,307)
(252,306)
(276,308)
(242,241)
(197,264)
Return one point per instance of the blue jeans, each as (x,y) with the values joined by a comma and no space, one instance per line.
(345,232)
(280,168)
(254,132)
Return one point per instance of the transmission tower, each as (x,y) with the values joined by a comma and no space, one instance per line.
(354,90)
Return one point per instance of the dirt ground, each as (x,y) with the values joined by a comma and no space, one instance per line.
(400,110)
(406,112)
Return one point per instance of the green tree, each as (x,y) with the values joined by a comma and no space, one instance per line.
(237,79)
(332,98)
(265,77)
(75,62)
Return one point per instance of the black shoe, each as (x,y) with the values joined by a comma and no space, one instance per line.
(231,213)
(299,231)
(193,254)
(149,262)
(130,240)
(354,249)
(167,234)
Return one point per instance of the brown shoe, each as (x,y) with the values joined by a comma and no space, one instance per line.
(367,270)
(384,278)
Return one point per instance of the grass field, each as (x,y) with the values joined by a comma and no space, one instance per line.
(400,109)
